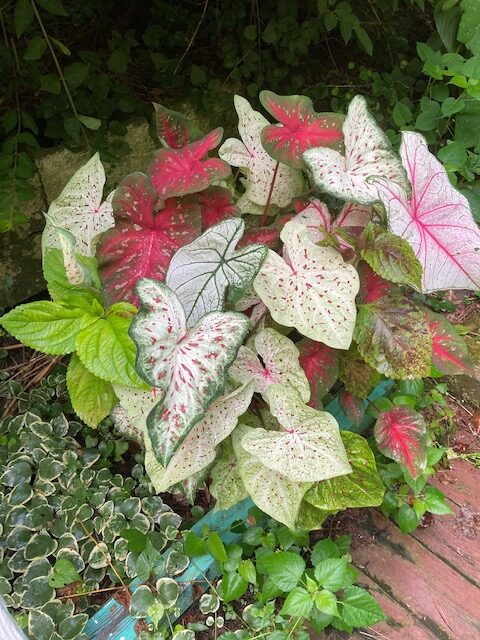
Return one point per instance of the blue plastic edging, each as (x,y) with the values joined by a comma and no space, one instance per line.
(113,622)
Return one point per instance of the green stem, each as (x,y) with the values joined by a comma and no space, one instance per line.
(263,217)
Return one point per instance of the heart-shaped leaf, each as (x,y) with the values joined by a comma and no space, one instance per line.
(216,205)
(300,128)
(320,364)
(143,242)
(435,220)
(227,486)
(173,128)
(308,449)
(352,407)
(279,364)
(358,377)
(257,165)
(188,368)
(79,209)
(449,350)
(200,272)
(314,292)
(368,154)
(400,433)
(176,172)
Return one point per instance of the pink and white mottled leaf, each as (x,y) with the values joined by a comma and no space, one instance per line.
(79,209)
(279,364)
(176,172)
(352,407)
(368,154)
(315,292)
(258,167)
(216,204)
(449,351)
(174,129)
(401,435)
(188,367)
(200,272)
(300,128)
(143,241)
(435,220)
(308,449)
(320,364)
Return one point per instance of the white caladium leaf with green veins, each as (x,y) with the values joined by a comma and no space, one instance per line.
(201,271)
(198,450)
(189,368)
(257,165)
(308,449)
(227,485)
(314,292)
(271,491)
(280,364)
(368,154)
(79,209)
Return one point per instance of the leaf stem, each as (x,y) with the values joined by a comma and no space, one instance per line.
(263,217)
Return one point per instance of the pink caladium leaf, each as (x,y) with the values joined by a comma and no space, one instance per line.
(401,435)
(300,128)
(176,172)
(372,286)
(449,351)
(269,236)
(368,154)
(188,367)
(320,364)
(174,129)
(143,241)
(435,220)
(352,407)
(216,205)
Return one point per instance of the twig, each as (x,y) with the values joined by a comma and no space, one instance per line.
(193,36)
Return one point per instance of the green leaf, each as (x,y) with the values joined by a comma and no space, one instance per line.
(168,591)
(360,609)
(216,547)
(23,16)
(326,602)
(47,326)
(323,550)
(40,625)
(333,574)
(72,627)
(63,573)
(407,519)
(248,572)
(198,77)
(142,600)
(55,7)
(401,114)
(358,377)
(390,256)
(91,123)
(233,586)
(435,502)
(194,546)
(38,593)
(35,49)
(285,569)
(91,397)
(364,39)
(137,541)
(298,603)
(50,84)
(469,28)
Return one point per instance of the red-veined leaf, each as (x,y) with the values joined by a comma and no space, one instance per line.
(216,204)
(300,128)
(435,220)
(176,172)
(401,435)
(173,128)
(352,407)
(320,364)
(372,286)
(269,236)
(143,241)
(449,350)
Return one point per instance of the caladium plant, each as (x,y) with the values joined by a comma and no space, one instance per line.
(215,338)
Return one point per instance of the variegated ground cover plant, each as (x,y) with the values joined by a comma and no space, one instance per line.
(213,312)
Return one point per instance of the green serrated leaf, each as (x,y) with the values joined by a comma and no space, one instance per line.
(360,609)
(92,398)
(298,603)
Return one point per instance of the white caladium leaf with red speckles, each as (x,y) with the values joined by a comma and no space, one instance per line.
(255,162)
(198,450)
(368,154)
(79,209)
(271,491)
(401,435)
(320,364)
(352,407)
(216,204)
(449,350)
(308,449)
(279,364)
(435,220)
(300,128)
(187,367)
(135,404)
(200,272)
(143,241)
(315,292)
(176,172)
(174,129)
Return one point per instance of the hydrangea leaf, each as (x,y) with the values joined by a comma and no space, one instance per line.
(227,486)
(300,128)
(449,351)
(200,272)
(107,350)
(216,205)
(393,337)
(91,397)
(79,209)
(358,377)
(174,129)
(435,220)
(368,154)
(279,364)
(320,364)
(315,292)
(352,406)
(177,172)
(308,449)
(272,492)
(143,241)
(400,433)
(256,163)
(363,487)
(188,368)
(198,450)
